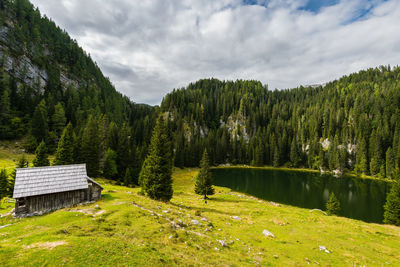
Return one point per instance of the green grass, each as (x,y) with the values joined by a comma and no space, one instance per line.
(113,231)
(11,152)
(121,234)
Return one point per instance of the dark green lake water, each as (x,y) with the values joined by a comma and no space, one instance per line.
(361,199)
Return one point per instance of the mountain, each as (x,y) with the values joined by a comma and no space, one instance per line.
(349,124)
(39,61)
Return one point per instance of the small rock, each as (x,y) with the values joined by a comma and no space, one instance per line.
(217,249)
(276,256)
(195,222)
(170,237)
(204,219)
(236,218)
(223,243)
(165,211)
(323,248)
(268,233)
(4,226)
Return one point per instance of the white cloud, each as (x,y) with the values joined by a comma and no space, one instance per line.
(149,47)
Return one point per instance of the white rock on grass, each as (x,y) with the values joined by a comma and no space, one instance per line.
(268,233)
(236,218)
(195,222)
(204,219)
(222,243)
(323,248)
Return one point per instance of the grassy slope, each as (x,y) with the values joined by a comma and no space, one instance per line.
(119,233)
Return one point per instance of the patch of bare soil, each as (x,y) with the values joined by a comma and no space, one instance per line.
(47,245)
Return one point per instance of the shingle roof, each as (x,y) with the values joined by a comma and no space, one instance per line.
(46,180)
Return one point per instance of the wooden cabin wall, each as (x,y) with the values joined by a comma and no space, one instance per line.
(50,202)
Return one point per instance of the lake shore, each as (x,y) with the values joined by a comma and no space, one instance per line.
(361,176)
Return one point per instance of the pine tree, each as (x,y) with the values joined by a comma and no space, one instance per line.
(123,150)
(112,138)
(128,178)
(39,127)
(294,153)
(3,183)
(41,157)
(276,162)
(332,205)
(110,164)
(90,147)
(389,163)
(65,148)
(58,119)
(203,185)
(392,206)
(155,176)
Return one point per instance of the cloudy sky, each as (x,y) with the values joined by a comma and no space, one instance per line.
(149,47)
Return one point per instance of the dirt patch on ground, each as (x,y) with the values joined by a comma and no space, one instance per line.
(47,245)
(93,212)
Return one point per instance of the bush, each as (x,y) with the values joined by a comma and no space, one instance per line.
(332,205)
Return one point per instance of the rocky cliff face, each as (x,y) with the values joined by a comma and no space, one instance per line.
(22,67)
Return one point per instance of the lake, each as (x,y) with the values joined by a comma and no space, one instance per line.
(361,199)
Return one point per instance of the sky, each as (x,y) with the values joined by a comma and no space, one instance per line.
(149,47)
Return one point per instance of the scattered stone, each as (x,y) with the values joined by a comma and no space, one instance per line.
(217,249)
(3,226)
(236,218)
(323,248)
(170,237)
(274,204)
(129,192)
(223,243)
(276,256)
(195,222)
(204,219)
(268,233)
(165,211)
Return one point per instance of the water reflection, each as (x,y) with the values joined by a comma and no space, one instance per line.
(359,198)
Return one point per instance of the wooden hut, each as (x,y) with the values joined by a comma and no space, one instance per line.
(44,189)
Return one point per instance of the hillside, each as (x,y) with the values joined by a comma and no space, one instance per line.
(126,228)
(351,124)
(48,81)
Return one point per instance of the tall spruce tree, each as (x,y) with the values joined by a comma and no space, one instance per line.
(392,206)
(65,148)
(203,185)
(110,170)
(58,119)
(41,156)
(39,126)
(90,151)
(155,176)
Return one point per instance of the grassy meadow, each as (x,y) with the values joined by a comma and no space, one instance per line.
(126,228)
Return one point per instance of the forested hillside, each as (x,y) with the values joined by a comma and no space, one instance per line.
(350,124)
(47,81)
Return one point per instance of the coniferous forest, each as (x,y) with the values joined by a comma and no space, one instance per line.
(348,125)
